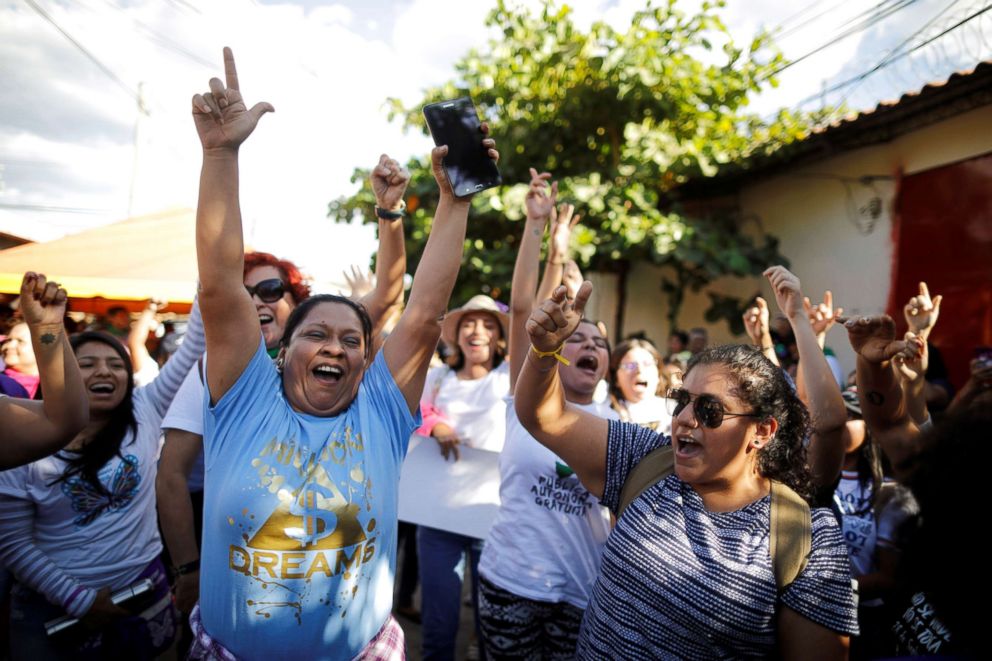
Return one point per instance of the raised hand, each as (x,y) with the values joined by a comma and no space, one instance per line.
(756,321)
(389,181)
(571,278)
(921,311)
(437,161)
(981,370)
(221,117)
(874,338)
(788,293)
(42,302)
(538,203)
(822,315)
(359,281)
(561,232)
(556,319)
(911,362)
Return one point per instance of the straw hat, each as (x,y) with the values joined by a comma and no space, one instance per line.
(478,303)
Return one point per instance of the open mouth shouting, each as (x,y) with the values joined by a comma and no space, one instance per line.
(102,389)
(328,374)
(588,363)
(265,318)
(686,446)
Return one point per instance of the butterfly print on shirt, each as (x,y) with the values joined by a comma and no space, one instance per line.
(91,502)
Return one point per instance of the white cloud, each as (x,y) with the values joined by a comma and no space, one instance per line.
(67,130)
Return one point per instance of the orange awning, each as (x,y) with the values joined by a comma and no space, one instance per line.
(123,263)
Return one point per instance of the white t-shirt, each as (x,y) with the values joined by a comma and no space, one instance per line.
(865,529)
(650,412)
(98,541)
(857,521)
(67,539)
(548,536)
(474,408)
(186,413)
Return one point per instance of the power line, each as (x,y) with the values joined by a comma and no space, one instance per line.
(875,18)
(93,58)
(50,209)
(162,40)
(895,55)
(796,15)
(809,20)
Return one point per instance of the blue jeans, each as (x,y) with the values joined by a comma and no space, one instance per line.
(442,570)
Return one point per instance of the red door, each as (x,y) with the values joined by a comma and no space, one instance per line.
(942,231)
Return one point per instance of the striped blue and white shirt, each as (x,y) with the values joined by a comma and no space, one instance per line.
(679,581)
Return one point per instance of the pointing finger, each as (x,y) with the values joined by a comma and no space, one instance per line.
(828,298)
(923,290)
(230,71)
(582,297)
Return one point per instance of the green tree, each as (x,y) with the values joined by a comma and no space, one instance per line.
(621,119)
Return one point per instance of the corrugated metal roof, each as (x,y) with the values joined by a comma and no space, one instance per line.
(961,92)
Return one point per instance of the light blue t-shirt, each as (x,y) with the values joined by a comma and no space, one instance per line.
(299,520)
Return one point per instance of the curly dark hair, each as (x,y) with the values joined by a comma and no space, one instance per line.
(295,283)
(763,386)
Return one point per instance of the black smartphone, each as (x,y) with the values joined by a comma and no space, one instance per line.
(456,123)
(125,597)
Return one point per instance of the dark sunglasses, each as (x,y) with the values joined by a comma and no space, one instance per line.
(269,291)
(708,409)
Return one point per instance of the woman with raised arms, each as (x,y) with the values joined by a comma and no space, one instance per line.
(303,456)
(688,571)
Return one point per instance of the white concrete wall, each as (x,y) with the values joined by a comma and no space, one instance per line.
(813,215)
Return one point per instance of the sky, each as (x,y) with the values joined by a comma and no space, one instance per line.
(76,151)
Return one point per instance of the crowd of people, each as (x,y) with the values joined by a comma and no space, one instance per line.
(744,500)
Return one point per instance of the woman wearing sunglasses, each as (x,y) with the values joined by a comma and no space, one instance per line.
(303,455)
(687,570)
(634,378)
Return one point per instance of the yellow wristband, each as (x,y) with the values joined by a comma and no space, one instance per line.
(556,354)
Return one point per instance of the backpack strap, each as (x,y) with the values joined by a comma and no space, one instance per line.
(651,469)
(791,524)
(791,536)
